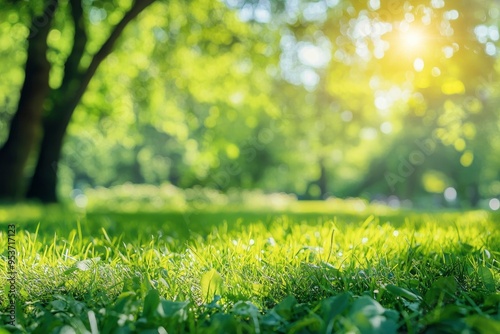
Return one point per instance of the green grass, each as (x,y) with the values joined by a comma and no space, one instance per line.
(308,269)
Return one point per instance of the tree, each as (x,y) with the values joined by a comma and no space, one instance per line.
(50,110)
(26,122)
(188,114)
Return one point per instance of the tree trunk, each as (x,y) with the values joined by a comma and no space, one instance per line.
(44,181)
(323,180)
(25,125)
(43,185)
(474,195)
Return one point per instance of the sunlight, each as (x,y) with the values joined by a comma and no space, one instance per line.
(312,55)
(412,40)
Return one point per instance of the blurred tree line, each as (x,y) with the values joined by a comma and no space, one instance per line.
(319,98)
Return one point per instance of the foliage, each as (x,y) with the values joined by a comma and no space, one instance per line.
(309,269)
(317,98)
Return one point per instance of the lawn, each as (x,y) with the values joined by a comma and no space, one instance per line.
(313,268)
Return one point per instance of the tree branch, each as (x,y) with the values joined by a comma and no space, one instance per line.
(79,43)
(107,47)
(67,97)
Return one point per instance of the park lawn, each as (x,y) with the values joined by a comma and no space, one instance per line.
(309,269)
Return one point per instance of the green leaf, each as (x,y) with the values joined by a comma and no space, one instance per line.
(368,306)
(67,330)
(492,300)
(312,322)
(442,287)
(172,309)
(401,292)
(151,303)
(332,307)
(370,317)
(245,309)
(467,248)
(447,284)
(391,314)
(452,311)
(123,301)
(272,319)
(456,325)
(487,278)
(413,306)
(59,305)
(222,323)
(285,307)
(483,325)
(211,285)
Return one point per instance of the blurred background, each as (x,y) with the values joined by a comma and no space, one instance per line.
(390,101)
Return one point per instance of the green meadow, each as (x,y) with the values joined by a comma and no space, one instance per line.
(313,267)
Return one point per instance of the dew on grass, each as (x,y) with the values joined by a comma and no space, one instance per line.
(271,241)
(395,233)
(251,242)
(364,240)
(487,253)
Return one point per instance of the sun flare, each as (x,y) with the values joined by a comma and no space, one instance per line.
(413,39)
